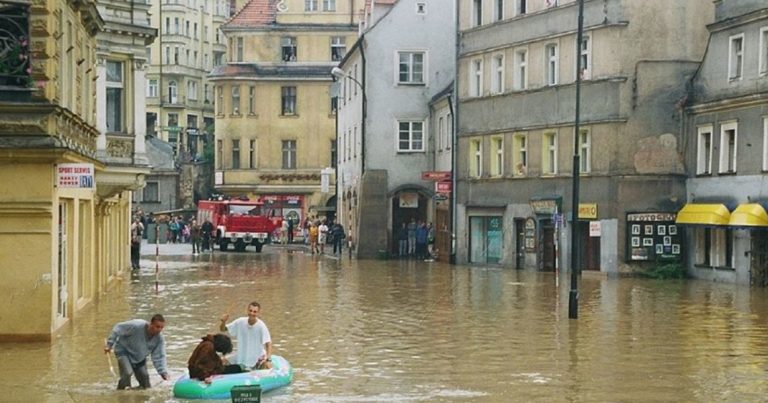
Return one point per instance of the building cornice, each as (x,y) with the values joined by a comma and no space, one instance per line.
(743,101)
(739,20)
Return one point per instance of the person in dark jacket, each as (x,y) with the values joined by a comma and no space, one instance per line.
(205,362)
(338,236)
(402,240)
(421,240)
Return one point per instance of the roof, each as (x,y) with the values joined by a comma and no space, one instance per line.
(254,13)
(272,71)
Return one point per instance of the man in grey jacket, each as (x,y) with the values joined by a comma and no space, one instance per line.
(134,340)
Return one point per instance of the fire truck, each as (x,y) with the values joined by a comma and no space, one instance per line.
(239,222)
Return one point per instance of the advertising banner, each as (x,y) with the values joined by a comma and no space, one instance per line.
(79,176)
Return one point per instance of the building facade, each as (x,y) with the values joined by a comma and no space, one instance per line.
(516,114)
(727,156)
(66,178)
(275,115)
(389,85)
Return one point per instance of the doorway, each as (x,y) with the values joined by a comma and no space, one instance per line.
(589,249)
(61,270)
(548,245)
(485,239)
(759,258)
(519,243)
(405,206)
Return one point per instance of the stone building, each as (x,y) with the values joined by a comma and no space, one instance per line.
(274,111)
(726,132)
(516,115)
(70,156)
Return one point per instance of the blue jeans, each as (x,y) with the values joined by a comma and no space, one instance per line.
(127,369)
(403,247)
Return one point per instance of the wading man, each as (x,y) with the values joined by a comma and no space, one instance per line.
(133,341)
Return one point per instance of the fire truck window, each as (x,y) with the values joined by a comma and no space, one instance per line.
(255,211)
(239,210)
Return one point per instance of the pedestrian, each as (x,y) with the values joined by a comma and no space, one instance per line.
(194,237)
(132,342)
(137,229)
(421,240)
(402,240)
(284,232)
(290,230)
(305,230)
(322,238)
(314,232)
(173,226)
(207,232)
(430,241)
(337,231)
(412,226)
(205,360)
(254,344)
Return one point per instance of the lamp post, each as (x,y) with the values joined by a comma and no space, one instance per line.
(573,297)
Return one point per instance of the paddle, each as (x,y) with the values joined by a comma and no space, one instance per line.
(109,360)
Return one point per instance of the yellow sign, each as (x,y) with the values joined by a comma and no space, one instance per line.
(588,210)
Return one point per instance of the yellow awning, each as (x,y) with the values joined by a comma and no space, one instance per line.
(704,214)
(749,215)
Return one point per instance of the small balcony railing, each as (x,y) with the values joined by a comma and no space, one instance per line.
(15,70)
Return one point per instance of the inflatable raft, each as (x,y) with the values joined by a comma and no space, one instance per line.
(268,379)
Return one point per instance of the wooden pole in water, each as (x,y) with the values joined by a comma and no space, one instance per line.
(157,253)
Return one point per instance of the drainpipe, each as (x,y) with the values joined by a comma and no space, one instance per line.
(454,135)
(365,113)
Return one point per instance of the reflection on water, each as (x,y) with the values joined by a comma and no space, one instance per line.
(413,331)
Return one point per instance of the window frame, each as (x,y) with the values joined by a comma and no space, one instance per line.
(289,49)
(499,69)
(552,63)
(735,56)
(549,166)
(152,87)
(477,13)
(520,154)
(475,158)
(729,154)
(252,154)
(585,151)
(521,69)
(704,162)
(411,136)
(329,5)
(235,154)
(288,101)
(338,42)
(234,92)
(497,156)
(112,86)
(476,78)
(289,153)
(311,5)
(240,49)
(410,80)
(498,10)
(763,54)
(147,187)
(587,55)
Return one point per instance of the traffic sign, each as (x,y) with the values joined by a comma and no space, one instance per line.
(436,175)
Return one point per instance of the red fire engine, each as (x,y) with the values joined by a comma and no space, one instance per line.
(239,222)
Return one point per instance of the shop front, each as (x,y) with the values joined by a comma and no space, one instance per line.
(549,219)
(653,237)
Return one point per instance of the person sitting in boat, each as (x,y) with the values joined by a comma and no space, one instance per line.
(254,344)
(205,362)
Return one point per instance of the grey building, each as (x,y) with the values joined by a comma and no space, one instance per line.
(516,113)
(727,155)
(388,79)
(161,188)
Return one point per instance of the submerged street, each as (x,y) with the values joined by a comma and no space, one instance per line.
(394,330)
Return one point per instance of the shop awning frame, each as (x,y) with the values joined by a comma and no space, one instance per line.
(749,215)
(704,214)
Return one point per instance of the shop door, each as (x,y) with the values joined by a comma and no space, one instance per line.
(485,239)
(519,243)
(759,258)
(403,213)
(589,249)
(442,227)
(61,306)
(548,245)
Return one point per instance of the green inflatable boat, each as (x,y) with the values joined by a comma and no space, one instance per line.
(280,375)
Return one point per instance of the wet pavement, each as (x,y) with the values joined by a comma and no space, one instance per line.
(404,330)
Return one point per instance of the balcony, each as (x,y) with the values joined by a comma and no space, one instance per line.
(119,148)
(15,68)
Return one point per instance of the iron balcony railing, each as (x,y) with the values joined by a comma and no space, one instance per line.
(15,67)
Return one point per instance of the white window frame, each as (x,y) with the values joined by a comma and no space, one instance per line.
(119,86)
(440,129)
(476,78)
(765,143)
(763,51)
(736,57)
(289,154)
(338,42)
(704,156)
(192,90)
(411,138)
(497,84)
(521,69)
(728,156)
(235,99)
(498,10)
(550,153)
(587,54)
(477,13)
(152,88)
(497,147)
(551,63)
(520,159)
(521,7)
(329,5)
(410,80)
(585,151)
(311,5)
(476,158)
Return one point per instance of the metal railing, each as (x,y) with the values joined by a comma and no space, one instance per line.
(15,67)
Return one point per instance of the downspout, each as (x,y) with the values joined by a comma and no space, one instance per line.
(365,113)
(454,135)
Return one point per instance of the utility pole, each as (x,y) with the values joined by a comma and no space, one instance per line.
(573,297)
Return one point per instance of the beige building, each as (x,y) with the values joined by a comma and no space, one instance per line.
(70,153)
(275,111)
(189,45)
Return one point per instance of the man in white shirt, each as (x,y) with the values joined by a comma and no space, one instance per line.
(254,344)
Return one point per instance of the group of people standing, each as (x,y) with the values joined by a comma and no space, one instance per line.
(318,234)
(133,341)
(416,239)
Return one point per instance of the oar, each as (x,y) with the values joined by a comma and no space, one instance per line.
(109,360)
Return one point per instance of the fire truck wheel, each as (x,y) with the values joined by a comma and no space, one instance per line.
(223,246)
(240,245)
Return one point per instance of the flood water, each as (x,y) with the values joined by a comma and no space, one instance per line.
(365,331)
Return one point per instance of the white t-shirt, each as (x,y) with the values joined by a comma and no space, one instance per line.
(250,340)
(323,229)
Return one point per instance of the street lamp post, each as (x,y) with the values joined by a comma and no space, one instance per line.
(573,297)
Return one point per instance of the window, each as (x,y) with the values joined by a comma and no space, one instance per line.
(329,5)
(411,67)
(410,136)
(765,144)
(288,100)
(584,152)
(498,10)
(421,7)
(235,154)
(152,88)
(549,160)
(167,25)
(251,100)
(289,154)
(334,104)
(736,57)
(219,147)
(192,90)
(728,142)
(334,155)
(714,247)
(703,246)
(176,26)
(114,96)
(475,158)
(239,49)
(440,132)
(176,58)
(585,58)
(310,5)
(220,100)
(449,132)
(186,31)
(477,12)
(497,156)
(764,51)
(235,99)
(252,155)
(520,146)
(521,69)
(167,55)
(151,192)
(551,3)
(173,121)
(497,84)
(288,44)
(551,64)
(476,80)
(704,151)
(338,48)
(522,7)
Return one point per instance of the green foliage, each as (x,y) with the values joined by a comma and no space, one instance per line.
(208,152)
(665,271)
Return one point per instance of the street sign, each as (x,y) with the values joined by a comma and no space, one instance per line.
(594,229)
(436,175)
(443,187)
(246,394)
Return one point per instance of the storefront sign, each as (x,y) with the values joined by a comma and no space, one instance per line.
(436,175)
(594,229)
(651,217)
(443,187)
(588,211)
(544,206)
(653,237)
(409,200)
(79,176)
